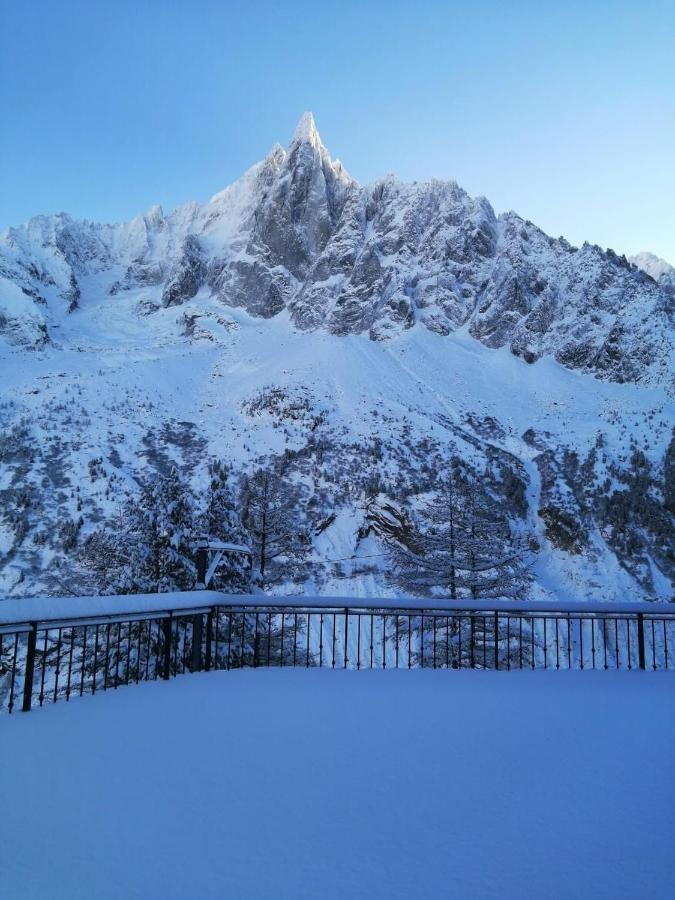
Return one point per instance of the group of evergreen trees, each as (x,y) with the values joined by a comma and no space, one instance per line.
(456,544)
(150,545)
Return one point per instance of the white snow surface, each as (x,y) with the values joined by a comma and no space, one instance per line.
(128,374)
(313,784)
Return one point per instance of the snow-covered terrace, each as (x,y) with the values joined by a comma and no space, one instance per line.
(343,784)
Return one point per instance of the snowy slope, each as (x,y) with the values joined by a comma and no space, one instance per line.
(372,331)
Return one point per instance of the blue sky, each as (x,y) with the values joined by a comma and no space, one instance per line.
(563,111)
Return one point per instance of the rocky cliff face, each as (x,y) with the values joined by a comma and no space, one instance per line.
(297,233)
(361,339)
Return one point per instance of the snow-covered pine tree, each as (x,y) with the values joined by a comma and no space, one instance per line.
(271,514)
(162,522)
(220,520)
(149,548)
(460,545)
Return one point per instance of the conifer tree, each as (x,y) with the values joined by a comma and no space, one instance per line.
(271,513)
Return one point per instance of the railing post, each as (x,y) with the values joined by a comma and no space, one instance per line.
(30,668)
(209,640)
(496,640)
(346,635)
(168,623)
(202,560)
(196,643)
(641,640)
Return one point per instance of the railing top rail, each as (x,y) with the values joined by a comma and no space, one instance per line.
(439,605)
(64,611)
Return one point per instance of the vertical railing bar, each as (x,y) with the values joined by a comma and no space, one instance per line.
(107,656)
(334,638)
(409,641)
(118,653)
(243,628)
(127,674)
(141,628)
(216,624)
(29,670)
(653,646)
(484,642)
(229,639)
(384,640)
(208,643)
(58,666)
(13,679)
(641,641)
(665,641)
(545,645)
(83,661)
(44,666)
(283,621)
(346,654)
(630,661)
(70,661)
(95,660)
(309,628)
(557,644)
(148,647)
(159,647)
(269,638)
(168,638)
(358,640)
(496,627)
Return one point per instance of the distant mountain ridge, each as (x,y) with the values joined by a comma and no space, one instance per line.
(661,271)
(298,233)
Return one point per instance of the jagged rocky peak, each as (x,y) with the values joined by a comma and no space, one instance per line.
(296,232)
(306,132)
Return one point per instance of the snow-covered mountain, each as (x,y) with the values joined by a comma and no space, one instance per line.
(366,335)
(660,270)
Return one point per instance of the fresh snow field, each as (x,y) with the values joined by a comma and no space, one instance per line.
(322,784)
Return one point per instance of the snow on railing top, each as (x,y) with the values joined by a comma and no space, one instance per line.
(49,609)
(52,609)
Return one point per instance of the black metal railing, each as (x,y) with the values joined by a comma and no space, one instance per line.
(47,660)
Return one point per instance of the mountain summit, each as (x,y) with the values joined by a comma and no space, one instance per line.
(297,233)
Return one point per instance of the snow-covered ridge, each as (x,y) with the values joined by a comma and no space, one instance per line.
(297,233)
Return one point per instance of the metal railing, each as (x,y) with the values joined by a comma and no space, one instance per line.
(44,660)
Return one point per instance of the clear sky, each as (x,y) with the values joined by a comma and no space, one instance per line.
(563,111)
